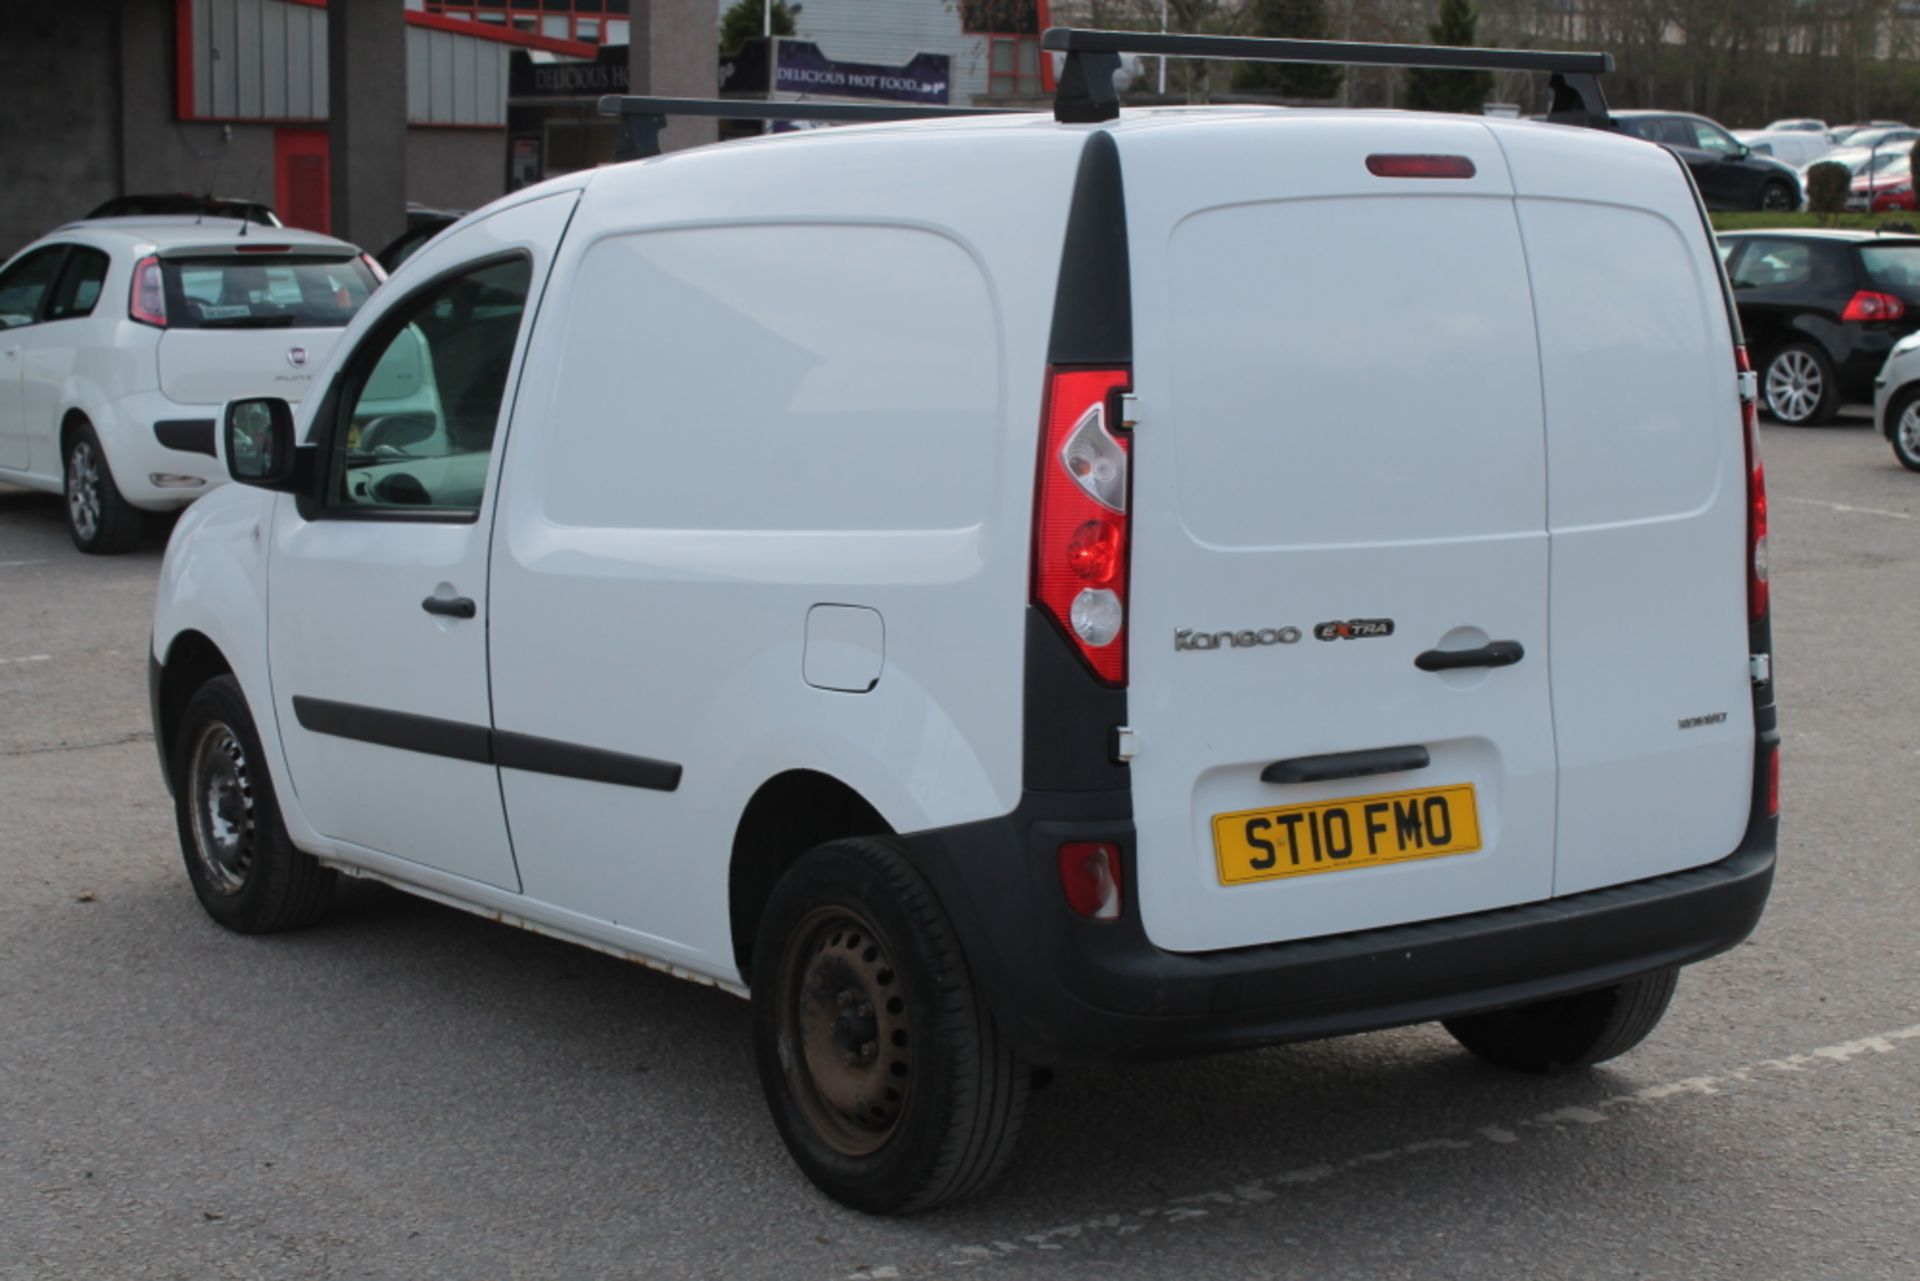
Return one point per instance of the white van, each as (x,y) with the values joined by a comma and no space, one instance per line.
(1019,590)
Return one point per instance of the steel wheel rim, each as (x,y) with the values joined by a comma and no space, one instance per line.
(219,789)
(83,489)
(1907,431)
(843,1031)
(1794,386)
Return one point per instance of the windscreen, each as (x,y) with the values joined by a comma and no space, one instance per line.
(265,292)
(1895,267)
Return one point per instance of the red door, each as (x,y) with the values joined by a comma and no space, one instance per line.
(300,188)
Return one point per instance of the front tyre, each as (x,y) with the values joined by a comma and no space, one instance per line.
(99,520)
(886,1076)
(1799,386)
(1903,428)
(245,869)
(1569,1032)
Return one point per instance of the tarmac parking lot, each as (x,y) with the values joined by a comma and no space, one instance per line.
(408,1091)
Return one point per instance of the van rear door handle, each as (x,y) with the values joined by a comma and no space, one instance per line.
(1318,769)
(449,607)
(1491,654)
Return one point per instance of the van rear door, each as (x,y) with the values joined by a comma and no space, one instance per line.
(1340,466)
(1647,496)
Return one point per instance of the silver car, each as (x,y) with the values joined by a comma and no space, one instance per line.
(1896,401)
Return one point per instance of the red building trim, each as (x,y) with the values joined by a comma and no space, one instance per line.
(503,34)
(1043,11)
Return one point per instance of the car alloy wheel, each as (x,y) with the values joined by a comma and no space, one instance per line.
(1906,435)
(1775,198)
(220,789)
(83,489)
(1795,386)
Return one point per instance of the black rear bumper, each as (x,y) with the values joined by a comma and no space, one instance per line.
(1069,989)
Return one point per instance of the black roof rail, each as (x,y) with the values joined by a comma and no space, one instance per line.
(642,119)
(1086,95)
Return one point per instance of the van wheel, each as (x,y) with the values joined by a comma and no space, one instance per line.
(1799,387)
(1903,428)
(101,522)
(245,869)
(1568,1032)
(887,1078)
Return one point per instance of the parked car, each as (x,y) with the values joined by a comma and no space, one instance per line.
(787,580)
(1885,190)
(1860,160)
(121,338)
(1797,149)
(162,205)
(423,224)
(1800,125)
(1844,135)
(1821,310)
(1896,401)
(1729,174)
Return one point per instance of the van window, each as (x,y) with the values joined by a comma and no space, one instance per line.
(775,378)
(423,397)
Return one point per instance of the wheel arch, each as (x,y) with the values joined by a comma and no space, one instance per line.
(70,422)
(191,660)
(789,814)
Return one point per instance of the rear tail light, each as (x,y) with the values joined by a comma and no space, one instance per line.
(1090,875)
(1757,591)
(1868,305)
(147,301)
(1080,522)
(1773,783)
(373,265)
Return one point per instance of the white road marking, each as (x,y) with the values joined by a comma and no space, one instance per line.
(1845,507)
(27,658)
(1254,1192)
(16,564)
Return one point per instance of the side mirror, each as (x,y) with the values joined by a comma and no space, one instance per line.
(1744,152)
(259,440)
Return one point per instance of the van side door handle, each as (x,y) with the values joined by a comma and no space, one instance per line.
(449,607)
(1491,654)
(1318,769)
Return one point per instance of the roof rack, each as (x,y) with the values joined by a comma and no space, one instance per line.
(1086,95)
(642,119)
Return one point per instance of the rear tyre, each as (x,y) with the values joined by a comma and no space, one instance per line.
(100,521)
(1569,1032)
(886,1076)
(1903,428)
(1776,197)
(246,870)
(1798,386)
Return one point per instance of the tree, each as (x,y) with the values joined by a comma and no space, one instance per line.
(742,22)
(1292,19)
(1451,90)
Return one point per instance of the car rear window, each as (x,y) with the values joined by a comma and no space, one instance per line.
(265,292)
(1893,266)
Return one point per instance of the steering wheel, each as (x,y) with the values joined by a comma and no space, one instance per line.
(400,489)
(395,432)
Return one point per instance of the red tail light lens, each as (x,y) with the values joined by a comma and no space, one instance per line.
(373,265)
(1080,524)
(147,301)
(1867,305)
(1090,875)
(1420,167)
(1773,783)
(1758,596)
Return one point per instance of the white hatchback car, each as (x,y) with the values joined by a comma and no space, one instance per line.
(121,337)
(1018,590)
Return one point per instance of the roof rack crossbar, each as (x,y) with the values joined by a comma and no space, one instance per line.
(643,118)
(1086,95)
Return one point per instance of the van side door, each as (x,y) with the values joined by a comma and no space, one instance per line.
(378,597)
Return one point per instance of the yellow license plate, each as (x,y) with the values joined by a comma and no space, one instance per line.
(1333,836)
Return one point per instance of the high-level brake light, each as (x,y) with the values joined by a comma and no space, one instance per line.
(1080,523)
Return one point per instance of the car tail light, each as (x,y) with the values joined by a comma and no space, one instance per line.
(379,272)
(1773,783)
(1090,875)
(1758,594)
(1868,305)
(147,302)
(1080,523)
(1420,166)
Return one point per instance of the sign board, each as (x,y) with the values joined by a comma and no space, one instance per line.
(607,73)
(801,69)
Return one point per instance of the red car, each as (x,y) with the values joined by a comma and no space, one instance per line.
(1883,192)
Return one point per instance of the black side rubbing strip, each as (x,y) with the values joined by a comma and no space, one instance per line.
(1093,306)
(1319,769)
(594,764)
(459,741)
(188,435)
